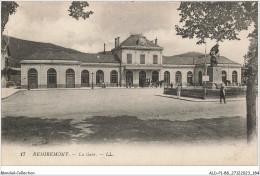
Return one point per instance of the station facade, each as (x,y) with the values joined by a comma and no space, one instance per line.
(136,62)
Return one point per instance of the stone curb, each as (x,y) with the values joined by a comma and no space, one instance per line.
(198,100)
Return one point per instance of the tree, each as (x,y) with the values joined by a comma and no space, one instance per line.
(223,21)
(251,63)
(8,8)
(76,10)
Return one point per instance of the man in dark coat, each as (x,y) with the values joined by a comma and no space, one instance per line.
(223,93)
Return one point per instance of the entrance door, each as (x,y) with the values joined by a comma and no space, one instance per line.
(129,77)
(32,79)
(70,78)
(167,79)
(178,78)
(155,76)
(51,78)
(189,78)
(84,78)
(99,78)
(142,78)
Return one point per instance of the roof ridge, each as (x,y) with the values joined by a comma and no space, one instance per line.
(139,40)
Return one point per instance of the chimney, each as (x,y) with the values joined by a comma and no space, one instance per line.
(104,48)
(115,42)
(156,41)
(118,41)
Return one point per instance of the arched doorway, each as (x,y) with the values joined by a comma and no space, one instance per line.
(166,78)
(224,77)
(155,76)
(200,78)
(85,78)
(178,78)
(113,77)
(51,78)
(189,78)
(129,77)
(99,77)
(70,78)
(142,78)
(32,79)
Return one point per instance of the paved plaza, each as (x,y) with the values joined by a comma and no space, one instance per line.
(84,115)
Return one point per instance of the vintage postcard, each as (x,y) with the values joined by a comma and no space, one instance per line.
(129,83)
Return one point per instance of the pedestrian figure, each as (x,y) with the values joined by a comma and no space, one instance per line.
(130,84)
(171,85)
(103,85)
(223,93)
(179,91)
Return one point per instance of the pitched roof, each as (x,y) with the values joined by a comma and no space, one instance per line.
(138,41)
(193,58)
(50,54)
(95,58)
(54,54)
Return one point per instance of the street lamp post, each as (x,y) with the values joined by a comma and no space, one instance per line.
(92,80)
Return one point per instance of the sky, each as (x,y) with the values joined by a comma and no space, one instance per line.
(50,22)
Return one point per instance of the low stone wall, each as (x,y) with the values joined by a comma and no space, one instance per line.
(231,92)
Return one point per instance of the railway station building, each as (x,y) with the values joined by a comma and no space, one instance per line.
(136,62)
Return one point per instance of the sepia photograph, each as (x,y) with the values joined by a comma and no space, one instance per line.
(129,83)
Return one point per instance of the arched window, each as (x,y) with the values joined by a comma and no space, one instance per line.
(234,77)
(189,78)
(167,78)
(178,78)
(224,76)
(51,78)
(200,78)
(99,77)
(155,76)
(84,78)
(113,77)
(70,78)
(142,78)
(32,79)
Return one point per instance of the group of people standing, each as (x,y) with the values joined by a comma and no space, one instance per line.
(146,84)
